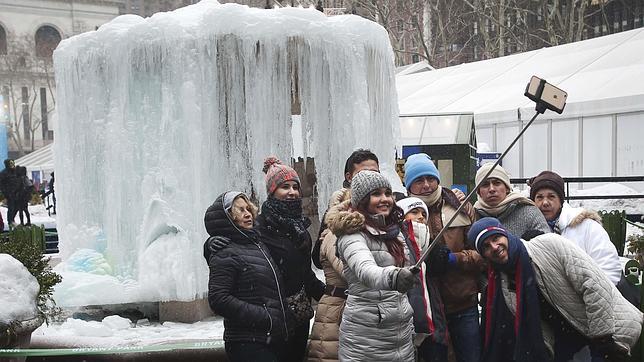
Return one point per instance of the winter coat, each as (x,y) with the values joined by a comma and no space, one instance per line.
(325,333)
(459,287)
(293,263)
(245,286)
(377,322)
(573,284)
(520,217)
(9,183)
(25,190)
(585,229)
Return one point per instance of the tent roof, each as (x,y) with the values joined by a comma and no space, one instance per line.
(39,160)
(603,74)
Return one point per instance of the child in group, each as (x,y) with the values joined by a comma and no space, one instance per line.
(416,211)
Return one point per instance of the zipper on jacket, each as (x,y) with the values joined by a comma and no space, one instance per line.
(279,291)
(270,327)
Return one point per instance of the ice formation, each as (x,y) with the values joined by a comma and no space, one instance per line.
(160,115)
(18,291)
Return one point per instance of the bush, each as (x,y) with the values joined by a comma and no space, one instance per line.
(636,247)
(27,244)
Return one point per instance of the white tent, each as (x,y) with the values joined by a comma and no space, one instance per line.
(40,161)
(599,133)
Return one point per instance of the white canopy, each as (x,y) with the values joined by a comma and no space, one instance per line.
(39,160)
(601,75)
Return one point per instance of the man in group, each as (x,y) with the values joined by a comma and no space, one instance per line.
(458,286)
(577,224)
(9,185)
(556,296)
(497,199)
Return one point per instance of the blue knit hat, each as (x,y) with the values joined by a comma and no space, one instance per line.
(483,229)
(418,165)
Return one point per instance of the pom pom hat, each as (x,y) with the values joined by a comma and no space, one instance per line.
(278,173)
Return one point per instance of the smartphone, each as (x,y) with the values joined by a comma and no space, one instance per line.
(541,91)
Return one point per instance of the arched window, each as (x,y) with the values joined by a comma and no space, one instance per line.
(3,41)
(47,39)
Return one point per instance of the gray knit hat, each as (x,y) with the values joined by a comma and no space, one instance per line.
(364,182)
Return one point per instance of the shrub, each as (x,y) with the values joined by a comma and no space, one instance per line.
(27,245)
(636,247)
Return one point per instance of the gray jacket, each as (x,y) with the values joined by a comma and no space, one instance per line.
(377,323)
(519,218)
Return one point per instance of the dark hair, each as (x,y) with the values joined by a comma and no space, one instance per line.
(531,233)
(358,156)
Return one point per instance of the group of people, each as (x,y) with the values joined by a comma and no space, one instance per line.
(16,188)
(546,272)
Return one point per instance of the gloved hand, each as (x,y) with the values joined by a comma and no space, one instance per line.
(405,280)
(439,261)
(216,243)
(611,351)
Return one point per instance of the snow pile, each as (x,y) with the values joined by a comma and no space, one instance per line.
(18,291)
(631,206)
(163,114)
(118,331)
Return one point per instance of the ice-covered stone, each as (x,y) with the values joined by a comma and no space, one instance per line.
(18,291)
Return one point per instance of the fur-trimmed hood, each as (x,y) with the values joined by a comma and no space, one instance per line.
(344,221)
(573,216)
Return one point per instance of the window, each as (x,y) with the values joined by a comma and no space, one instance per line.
(25,114)
(43,113)
(3,41)
(47,39)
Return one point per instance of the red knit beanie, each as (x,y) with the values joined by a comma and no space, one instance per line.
(277,174)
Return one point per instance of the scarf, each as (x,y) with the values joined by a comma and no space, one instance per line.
(386,229)
(497,210)
(446,209)
(433,198)
(528,337)
(287,216)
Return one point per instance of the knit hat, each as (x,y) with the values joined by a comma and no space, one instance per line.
(410,203)
(549,180)
(417,165)
(498,172)
(483,229)
(277,174)
(365,182)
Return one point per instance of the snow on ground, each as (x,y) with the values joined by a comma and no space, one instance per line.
(116,331)
(18,291)
(38,213)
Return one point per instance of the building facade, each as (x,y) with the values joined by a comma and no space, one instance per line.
(29,32)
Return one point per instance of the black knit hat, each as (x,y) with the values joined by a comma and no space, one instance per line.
(547,179)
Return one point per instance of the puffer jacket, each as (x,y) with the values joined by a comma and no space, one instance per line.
(244,284)
(459,287)
(584,227)
(377,322)
(578,289)
(325,334)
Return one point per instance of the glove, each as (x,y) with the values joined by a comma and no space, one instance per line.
(405,280)
(440,259)
(216,243)
(606,347)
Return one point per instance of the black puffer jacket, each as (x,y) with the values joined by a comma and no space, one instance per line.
(293,262)
(244,285)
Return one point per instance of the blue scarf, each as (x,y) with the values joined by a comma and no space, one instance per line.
(526,323)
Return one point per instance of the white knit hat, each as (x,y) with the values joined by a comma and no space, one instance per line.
(498,172)
(410,203)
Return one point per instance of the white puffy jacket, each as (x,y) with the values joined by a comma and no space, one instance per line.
(584,228)
(575,285)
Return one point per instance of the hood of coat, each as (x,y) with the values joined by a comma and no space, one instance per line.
(573,216)
(344,221)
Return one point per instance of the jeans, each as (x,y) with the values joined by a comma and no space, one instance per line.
(464,331)
(258,352)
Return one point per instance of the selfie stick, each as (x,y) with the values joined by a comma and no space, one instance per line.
(540,108)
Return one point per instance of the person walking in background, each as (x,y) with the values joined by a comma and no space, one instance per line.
(284,230)
(323,345)
(9,185)
(557,297)
(377,321)
(576,224)
(245,286)
(459,284)
(23,195)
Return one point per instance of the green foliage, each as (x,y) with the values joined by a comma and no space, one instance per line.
(27,244)
(36,198)
(636,247)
